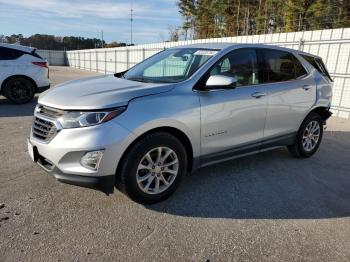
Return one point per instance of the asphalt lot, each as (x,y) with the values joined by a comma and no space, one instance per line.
(267,207)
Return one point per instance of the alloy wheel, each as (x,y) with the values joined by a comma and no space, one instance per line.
(311,136)
(157,170)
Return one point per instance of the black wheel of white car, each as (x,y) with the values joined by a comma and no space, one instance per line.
(309,136)
(19,90)
(153,168)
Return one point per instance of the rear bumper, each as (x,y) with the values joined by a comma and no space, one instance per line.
(327,114)
(42,88)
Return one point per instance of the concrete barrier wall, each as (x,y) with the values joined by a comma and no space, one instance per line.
(333,45)
(53,57)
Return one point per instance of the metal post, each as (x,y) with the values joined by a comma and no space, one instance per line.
(301,44)
(336,61)
(50,58)
(341,94)
(96,61)
(143,54)
(127,58)
(115,60)
(105,62)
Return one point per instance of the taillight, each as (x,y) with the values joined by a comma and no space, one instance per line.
(41,64)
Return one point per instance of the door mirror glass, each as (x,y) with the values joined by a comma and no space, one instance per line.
(221,81)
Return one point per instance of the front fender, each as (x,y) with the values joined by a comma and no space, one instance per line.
(179,111)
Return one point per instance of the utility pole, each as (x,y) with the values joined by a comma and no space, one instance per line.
(102,38)
(131,21)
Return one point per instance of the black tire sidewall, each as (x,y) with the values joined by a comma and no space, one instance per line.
(7,90)
(133,158)
(308,119)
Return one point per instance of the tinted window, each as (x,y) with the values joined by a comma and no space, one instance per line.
(318,64)
(280,66)
(298,69)
(241,64)
(9,54)
(35,54)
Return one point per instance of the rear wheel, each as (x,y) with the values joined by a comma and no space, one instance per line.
(19,90)
(153,168)
(309,137)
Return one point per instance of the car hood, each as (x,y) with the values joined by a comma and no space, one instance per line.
(99,92)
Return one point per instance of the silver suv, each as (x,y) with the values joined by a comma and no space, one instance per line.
(184,108)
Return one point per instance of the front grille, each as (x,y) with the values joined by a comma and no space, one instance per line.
(43,129)
(49,111)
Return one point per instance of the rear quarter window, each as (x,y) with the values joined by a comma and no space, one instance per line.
(318,64)
(9,53)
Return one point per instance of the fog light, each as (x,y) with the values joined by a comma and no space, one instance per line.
(91,160)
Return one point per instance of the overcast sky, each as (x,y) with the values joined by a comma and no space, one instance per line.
(88,17)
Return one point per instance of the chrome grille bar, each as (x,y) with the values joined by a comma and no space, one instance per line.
(44,127)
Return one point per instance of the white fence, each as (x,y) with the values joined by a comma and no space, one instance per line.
(333,45)
(54,57)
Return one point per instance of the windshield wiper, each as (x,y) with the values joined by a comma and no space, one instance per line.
(138,79)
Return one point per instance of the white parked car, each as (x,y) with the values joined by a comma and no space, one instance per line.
(22,73)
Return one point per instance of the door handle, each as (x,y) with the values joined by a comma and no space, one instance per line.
(306,87)
(258,94)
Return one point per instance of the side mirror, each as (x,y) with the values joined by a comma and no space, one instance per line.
(221,82)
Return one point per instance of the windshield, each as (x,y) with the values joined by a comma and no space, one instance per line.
(170,66)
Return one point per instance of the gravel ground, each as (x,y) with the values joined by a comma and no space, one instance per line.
(267,207)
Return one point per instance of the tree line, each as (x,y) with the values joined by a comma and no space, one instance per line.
(52,42)
(220,18)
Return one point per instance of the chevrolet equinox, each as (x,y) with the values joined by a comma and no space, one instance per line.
(183,108)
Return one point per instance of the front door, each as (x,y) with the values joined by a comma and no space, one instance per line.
(232,120)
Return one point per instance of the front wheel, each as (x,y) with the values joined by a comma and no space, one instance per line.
(309,137)
(153,168)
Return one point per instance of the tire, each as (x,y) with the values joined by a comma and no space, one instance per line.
(19,90)
(137,170)
(301,148)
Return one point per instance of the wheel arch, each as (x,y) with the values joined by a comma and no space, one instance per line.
(170,130)
(322,111)
(16,76)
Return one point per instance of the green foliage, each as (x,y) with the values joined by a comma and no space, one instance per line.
(52,42)
(219,18)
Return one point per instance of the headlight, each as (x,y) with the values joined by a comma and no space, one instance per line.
(73,119)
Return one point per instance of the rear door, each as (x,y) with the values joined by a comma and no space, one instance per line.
(8,62)
(291,92)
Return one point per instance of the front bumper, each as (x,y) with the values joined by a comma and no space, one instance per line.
(103,183)
(61,156)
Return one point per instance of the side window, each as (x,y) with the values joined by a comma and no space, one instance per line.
(241,64)
(2,53)
(278,66)
(323,68)
(9,53)
(318,64)
(299,69)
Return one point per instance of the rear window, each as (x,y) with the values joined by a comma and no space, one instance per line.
(9,53)
(34,53)
(318,64)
